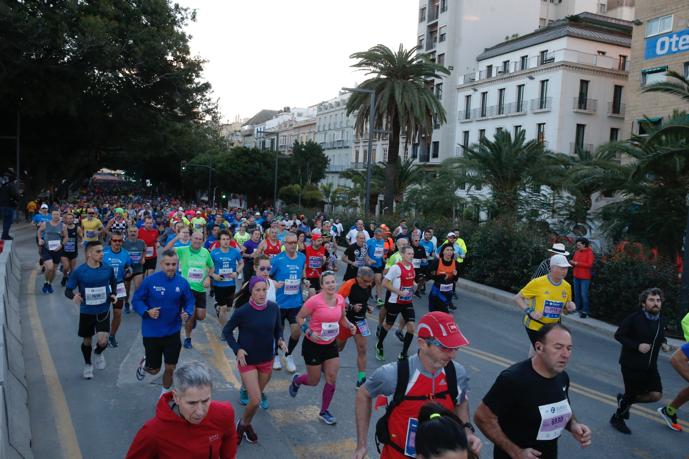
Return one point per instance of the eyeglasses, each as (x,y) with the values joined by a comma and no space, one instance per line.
(264,268)
(437,343)
(115,240)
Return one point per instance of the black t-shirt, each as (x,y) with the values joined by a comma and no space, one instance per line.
(529,407)
(358,295)
(358,256)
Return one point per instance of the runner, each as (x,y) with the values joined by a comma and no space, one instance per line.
(439,434)
(50,242)
(137,249)
(271,246)
(355,256)
(420,264)
(96,286)
(149,235)
(228,263)
(198,223)
(680,362)
(400,282)
(376,252)
(118,223)
(91,226)
(529,425)
(315,260)
(183,239)
(406,385)
(326,314)
(241,236)
(117,258)
(71,238)
(258,322)
(212,237)
(356,293)
(392,260)
(250,253)
(164,301)
(288,270)
(443,272)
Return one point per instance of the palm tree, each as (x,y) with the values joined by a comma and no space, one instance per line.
(408,174)
(405,103)
(507,165)
(678,86)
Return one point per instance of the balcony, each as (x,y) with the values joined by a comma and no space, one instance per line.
(434,13)
(465,116)
(616,109)
(582,147)
(542,104)
(582,105)
(358,165)
(430,44)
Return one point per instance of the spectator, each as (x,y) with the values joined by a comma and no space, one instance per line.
(544,266)
(583,262)
(9,195)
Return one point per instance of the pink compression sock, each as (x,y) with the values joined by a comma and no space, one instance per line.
(328,393)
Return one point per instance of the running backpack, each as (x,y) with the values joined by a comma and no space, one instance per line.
(382,433)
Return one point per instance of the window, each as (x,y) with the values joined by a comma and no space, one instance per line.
(579,136)
(540,133)
(543,94)
(436,122)
(614,134)
(422,14)
(658,25)
(517,130)
(601,53)
(505,66)
(501,101)
(654,75)
(415,151)
(622,62)
(443,6)
(484,102)
(523,62)
(481,134)
(435,149)
(441,59)
(420,41)
(356,156)
(489,71)
(582,100)
(465,139)
(442,34)
(647,125)
(686,70)
(498,130)
(439,91)
(543,57)
(467,106)
(602,8)
(617,100)
(385,155)
(520,99)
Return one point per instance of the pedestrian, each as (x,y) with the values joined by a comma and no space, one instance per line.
(439,434)
(582,261)
(544,267)
(641,334)
(9,197)
(432,374)
(529,425)
(325,313)
(187,423)
(258,322)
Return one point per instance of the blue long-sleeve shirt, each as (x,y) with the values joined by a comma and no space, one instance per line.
(259,332)
(171,295)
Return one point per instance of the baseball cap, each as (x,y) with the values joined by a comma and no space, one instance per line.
(451,234)
(559,248)
(44,206)
(559,261)
(315,237)
(119,210)
(258,214)
(198,212)
(181,209)
(441,326)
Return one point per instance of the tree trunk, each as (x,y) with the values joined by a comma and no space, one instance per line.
(391,169)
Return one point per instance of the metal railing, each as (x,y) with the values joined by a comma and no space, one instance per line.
(465,116)
(358,165)
(583,147)
(616,109)
(433,13)
(542,104)
(583,105)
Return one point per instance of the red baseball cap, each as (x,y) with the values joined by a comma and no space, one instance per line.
(315,237)
(441,326)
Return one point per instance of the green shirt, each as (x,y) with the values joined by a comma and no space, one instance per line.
(393,260)
(242,238)
(199,223)
(194,265)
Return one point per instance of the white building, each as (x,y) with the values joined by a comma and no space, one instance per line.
(563,85)
(455,33)
(334,132)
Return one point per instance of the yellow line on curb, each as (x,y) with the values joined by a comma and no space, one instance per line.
(63,419)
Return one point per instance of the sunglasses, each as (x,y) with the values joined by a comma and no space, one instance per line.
(115,240)
(437,343)
(264,268)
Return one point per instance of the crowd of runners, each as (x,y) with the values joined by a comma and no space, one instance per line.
(273,285)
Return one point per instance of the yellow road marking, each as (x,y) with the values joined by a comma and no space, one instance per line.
(63,419)
(218,357)
(338,449)
(284,417)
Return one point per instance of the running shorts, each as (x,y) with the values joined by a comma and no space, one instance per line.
(289,314)
(47,255)
(638,382)
(316,354)
(393,309)
(224,296)
(150,263)
(156,348)
(90,324)
(199,299)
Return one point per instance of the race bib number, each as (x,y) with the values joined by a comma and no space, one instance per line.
(552,309)
(70,245)
(225,271)
(330,330)
(54,245)
(378,252)
(410,440)
(407,293)
(554,418)
(315,262)
(90,234)
(445,287)
(135,256)
(195,274)
(121,290)
(149,252)
(416,263)
(95,296)
(291,286)
(359,262)
(362,325)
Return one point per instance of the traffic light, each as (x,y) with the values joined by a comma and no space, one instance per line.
(183,166)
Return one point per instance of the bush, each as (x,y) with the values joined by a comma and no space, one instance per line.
(618,281)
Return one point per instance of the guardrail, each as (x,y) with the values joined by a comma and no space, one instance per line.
(15,428)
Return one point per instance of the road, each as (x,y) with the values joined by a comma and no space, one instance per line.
(74,418)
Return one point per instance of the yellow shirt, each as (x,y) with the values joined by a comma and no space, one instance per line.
(548,299)
(92,229)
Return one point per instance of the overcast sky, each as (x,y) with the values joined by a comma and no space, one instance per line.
(277,53)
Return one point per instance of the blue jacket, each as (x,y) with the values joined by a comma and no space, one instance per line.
(171,295)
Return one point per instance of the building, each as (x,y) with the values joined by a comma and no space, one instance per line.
(232,132)
(454,34)
(563,84)
(660,42)
(249,128)
(335,132)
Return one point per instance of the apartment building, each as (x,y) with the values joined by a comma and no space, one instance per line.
(660,42)
(335,133)
(563,85)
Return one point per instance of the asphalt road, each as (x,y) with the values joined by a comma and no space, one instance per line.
(74,418)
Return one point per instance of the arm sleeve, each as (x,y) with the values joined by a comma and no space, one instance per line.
(530,290)
(393,273)
(71,284)
(623,334)
(228,449)
(113,281)
(432,269)
(229,328)
(346,288)
(277,330)
(143,446)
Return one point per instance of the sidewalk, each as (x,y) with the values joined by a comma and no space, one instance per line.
(504,299)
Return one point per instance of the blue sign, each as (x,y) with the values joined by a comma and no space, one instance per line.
(666,44)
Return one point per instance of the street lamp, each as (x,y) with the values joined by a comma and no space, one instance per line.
(185,165)
(371,116)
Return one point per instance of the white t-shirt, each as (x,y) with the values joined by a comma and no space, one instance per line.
(351,236)
(394,275)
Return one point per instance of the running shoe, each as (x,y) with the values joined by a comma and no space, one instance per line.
(113,341)
(618,423)
(243,396)
(127,308)
(63,282)
(45,288)
(240,432)
(140,372)
(379,353)
(378,331)
(289,364)
(264,401)
(452,307)
(671,421)
(360,382)
(99,361)
(293,387)
(625,413)
(249,434)
(88,372)
(399,335)
(50,288)
(583,315)
(187,343)
(327,418)
(277,365)
(379,302)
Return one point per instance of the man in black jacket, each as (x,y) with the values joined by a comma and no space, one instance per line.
(642,334)
(9,194)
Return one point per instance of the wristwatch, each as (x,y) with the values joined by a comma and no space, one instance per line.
(470,426)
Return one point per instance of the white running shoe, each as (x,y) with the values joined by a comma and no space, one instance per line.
(289,363)
(277,365)
(88,372)
(99,361)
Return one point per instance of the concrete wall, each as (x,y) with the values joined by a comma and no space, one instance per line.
(15,429)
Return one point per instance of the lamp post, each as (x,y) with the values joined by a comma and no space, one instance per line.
(184,165)
(371,120)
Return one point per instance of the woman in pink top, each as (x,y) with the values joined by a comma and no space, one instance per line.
(321,318)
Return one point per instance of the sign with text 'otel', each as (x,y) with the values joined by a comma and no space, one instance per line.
(666,44)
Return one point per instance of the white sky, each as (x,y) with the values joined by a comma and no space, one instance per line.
(278,53)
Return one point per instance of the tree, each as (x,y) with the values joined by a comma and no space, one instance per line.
(405,104)
(328,192)
(408,174)
(435,196)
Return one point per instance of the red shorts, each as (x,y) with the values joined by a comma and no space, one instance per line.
(263,367)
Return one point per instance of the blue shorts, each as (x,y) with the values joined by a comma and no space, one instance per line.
(685,349)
